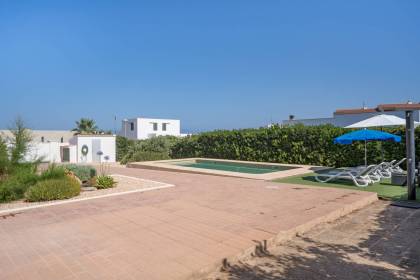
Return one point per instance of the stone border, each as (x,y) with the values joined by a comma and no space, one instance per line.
(72,200)
(168,165)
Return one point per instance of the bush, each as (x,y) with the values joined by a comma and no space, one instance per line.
(123,145)
(15,185)
(4,158)
(53,189)
(296,144)
(7,194)
(144,156)
(187,147)
(53,172)
(105,182)
(156,148)
(83,172)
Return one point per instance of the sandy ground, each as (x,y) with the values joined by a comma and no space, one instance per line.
(377,242)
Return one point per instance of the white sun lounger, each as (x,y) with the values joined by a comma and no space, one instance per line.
(396,166)
(382,170)
(361,177)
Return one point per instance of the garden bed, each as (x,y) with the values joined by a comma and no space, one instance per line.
(125,185)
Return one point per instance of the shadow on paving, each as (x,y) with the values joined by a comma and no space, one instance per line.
(378,242)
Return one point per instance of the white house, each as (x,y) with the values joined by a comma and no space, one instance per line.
(345,117)
(144,128)
(62,146)
(90,148)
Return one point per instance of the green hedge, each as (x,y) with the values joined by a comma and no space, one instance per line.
(156,148)
(296,144)
(53,189)
(144,156)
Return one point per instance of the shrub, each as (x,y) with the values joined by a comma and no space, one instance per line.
(7,194)
(83,172)
(156,148)
(20,142)
(15,185)
(53,172)
(53,189)
(4,158)
(187,147)
(105,182)
(144,156)
(123,145)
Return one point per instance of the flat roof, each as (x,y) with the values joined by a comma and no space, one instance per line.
(354,111)
(380,108)
(399,107)
(95,135)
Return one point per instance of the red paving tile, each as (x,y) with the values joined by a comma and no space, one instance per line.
(174,233)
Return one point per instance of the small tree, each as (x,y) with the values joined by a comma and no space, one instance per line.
(85,126)
(20,142)
(4,158)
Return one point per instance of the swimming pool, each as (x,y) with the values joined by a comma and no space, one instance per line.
(249,168)
(222,167)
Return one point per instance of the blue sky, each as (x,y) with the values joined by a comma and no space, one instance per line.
(212,64)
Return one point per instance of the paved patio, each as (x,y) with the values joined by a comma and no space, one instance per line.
(175,233)
(377,242)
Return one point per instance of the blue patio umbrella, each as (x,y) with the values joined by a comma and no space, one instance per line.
(366,135)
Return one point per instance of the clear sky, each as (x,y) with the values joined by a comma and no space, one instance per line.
(212,64)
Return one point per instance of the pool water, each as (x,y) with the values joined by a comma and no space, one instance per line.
(250,168)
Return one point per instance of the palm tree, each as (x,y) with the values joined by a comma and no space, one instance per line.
(85,126)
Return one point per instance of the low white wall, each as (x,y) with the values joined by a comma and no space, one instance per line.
(48,152)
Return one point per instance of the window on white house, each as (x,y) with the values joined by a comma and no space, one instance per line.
(164,126)
(62,140)
(42,139)
(155,126)
(132,126)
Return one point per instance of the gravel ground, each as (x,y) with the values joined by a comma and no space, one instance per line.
(377,242)
(124,184)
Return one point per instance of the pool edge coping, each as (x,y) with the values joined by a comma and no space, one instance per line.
(167,165)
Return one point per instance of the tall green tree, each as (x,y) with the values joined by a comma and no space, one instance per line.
(85,126)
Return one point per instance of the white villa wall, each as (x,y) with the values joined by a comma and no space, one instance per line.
(143,128)
(106,144)
(126,130)
(73,154)
(47,152)
(51,151)
(173,127)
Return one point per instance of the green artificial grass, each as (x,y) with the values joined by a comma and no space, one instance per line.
(384,189)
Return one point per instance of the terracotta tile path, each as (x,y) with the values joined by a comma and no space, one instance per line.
(175,233)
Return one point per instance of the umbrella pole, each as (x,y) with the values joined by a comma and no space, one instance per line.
(365,153)
(382,149)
